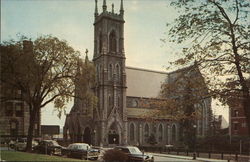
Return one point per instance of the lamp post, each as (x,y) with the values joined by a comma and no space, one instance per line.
(194,155)
(94,137)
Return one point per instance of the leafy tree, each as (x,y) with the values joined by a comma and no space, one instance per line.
(218,31)
(186,95)
(85,99)
(44,71)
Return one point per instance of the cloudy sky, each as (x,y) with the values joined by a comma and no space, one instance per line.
(72,20)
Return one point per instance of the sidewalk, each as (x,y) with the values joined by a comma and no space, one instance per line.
(190,158)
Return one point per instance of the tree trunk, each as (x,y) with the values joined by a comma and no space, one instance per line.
(33,116)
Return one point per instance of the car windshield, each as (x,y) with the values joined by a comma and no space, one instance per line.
(22,140)
(54,143)
(134,150)
(79,147)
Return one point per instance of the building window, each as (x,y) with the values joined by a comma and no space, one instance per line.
(173,133)
(118,101)
(112,42)
(110,101)
(160,132)
(9,109)
(117,69)
(19,109)
(235,126)
(19,93)
(244,125)
(100,43)
(13,128)
(132,132)
(97,73)
(236,113)
(146,132)
(110,71)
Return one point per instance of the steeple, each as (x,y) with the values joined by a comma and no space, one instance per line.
(112,7)
(104,6)
(86,56)
(121,9)
(96,9)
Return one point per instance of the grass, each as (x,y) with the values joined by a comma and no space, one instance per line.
(23,156)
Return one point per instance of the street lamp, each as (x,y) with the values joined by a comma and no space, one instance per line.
(194,155)
(94,136)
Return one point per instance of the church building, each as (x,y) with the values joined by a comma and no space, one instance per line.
(122,91)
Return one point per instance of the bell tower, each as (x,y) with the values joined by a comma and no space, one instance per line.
(109,60)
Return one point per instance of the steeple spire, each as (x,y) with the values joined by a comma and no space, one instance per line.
(112,7)
(96,9)
(104,6)
(121,8)
(86,56)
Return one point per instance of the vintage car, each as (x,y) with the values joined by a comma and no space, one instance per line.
(134,154)
(20,144)
(81,150)
(49,147)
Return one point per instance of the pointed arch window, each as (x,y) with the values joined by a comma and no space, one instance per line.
(160,133)
(146,132)
(100,43)
(110,101)
(132,132)
(118,101)
(112,42)
(173,133)
(97,73)
(117,71)
(110,71)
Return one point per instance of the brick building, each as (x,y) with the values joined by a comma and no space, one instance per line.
(237,118)
(14,112)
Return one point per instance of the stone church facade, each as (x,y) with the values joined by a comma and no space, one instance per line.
(122,92)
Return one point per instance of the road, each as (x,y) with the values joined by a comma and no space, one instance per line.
(162,158)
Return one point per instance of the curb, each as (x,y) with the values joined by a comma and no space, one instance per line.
(188,158)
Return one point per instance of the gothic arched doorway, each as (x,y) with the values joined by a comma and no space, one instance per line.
(113,136)
(87,136)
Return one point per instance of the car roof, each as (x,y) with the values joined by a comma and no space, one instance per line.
(79,144)
(125,147)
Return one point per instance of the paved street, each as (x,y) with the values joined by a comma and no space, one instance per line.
(161,158)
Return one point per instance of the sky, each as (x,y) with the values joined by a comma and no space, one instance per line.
(72,20)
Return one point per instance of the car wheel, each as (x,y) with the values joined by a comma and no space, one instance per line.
(95,158)
(83,157)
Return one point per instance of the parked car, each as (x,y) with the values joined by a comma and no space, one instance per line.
(134,154)
(49,147)
(81,150)
(20,144)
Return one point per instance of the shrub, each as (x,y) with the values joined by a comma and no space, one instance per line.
(114,155)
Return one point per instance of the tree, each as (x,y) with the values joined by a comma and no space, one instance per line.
(218,31)
(43,71)
(85,99)
(185,94)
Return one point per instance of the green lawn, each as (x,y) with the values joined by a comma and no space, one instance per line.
(23,156)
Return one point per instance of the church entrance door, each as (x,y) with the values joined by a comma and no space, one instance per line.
(113,139)
(113,135)
(87,136)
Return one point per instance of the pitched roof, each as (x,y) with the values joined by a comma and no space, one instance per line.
(144,83)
